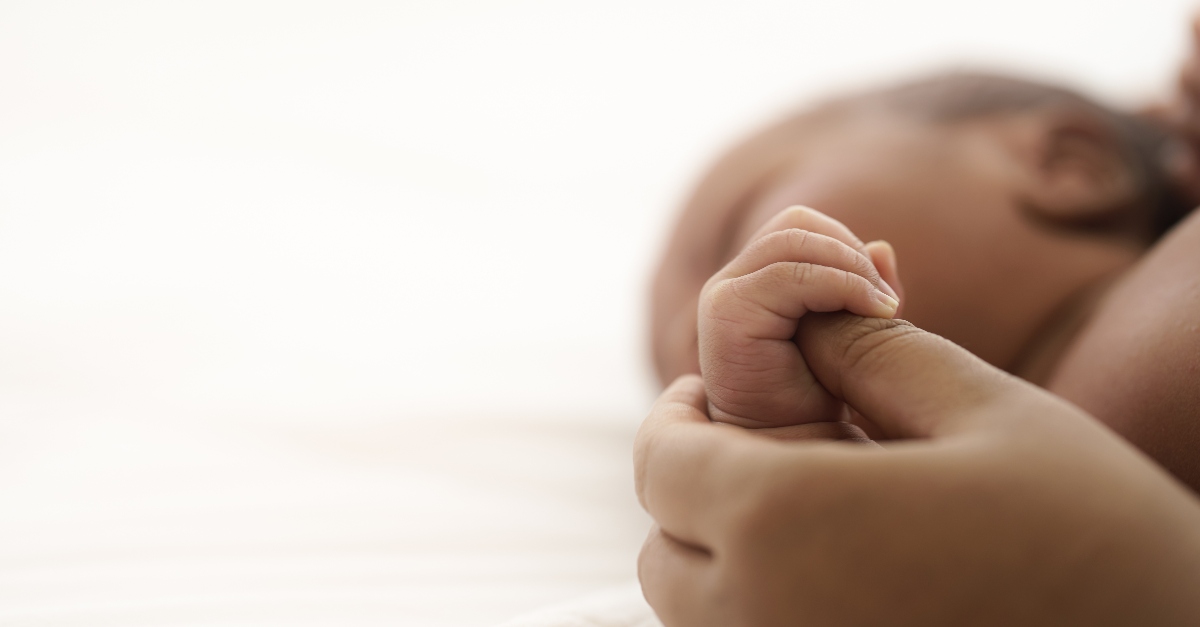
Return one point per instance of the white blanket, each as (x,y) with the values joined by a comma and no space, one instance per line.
(621,606)
(114,521)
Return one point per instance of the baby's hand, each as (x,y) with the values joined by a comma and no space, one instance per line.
(800,261)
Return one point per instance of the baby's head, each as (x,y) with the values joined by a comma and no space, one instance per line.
(1009,204)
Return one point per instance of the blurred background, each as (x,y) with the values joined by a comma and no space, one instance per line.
(331,312)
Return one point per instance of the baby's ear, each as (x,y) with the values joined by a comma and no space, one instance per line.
(1074,168)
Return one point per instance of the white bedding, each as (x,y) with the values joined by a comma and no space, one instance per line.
(329,313)
(115,521)
(619,606)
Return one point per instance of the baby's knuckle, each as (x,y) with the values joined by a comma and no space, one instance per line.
(759,246)
(860,284)
(803,272)
(851,282)
(721,294)
(798,213)
(864,267)
(726,308)
(797,240)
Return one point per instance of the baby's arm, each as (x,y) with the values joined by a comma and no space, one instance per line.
(800,261)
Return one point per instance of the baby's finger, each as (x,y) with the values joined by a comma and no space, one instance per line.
(809,219)
(766,304)
(883,256)
(801,247)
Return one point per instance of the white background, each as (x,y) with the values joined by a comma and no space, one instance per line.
(227,227)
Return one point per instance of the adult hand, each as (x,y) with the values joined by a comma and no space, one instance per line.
(1006,506)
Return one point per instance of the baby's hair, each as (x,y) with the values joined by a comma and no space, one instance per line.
(956,97)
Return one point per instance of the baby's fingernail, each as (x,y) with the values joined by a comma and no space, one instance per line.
(882,253)
(887,289)
(888,305)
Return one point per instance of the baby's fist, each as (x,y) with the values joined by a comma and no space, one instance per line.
(800,261)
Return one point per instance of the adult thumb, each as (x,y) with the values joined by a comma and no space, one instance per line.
(908,382)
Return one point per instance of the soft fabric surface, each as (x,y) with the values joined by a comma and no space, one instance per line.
(113,521)
(621,606)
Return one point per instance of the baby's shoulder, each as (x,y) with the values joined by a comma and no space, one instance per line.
(1136,364)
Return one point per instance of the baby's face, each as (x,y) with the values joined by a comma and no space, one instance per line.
(976,267)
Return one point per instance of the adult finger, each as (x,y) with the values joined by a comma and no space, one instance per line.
(683,464)
(676,580)
(908,382)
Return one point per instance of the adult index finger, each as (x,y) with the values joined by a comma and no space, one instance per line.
(690,474)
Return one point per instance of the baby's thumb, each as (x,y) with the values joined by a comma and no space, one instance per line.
(908,382)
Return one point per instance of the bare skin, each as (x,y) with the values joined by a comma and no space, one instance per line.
(1015,506)
(951,199)
(1057,307)
(1182,115)
(1136,365)
(801,261)
(1003,506)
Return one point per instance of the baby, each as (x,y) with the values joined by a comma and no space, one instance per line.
(1021,212)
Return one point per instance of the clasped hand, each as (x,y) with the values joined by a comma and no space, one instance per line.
(993,502)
